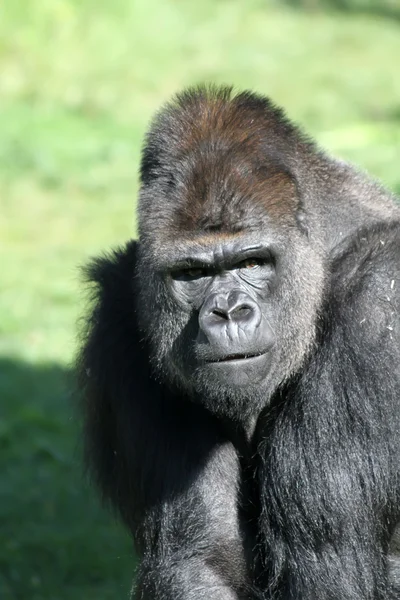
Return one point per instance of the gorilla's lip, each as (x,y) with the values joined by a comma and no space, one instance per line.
(237,357)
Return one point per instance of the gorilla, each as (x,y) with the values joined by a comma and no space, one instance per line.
(241,364)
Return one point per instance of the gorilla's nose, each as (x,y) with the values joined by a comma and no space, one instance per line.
(228,310)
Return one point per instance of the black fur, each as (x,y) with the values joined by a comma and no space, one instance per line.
(286,489)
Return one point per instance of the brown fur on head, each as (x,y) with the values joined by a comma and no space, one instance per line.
(222,162)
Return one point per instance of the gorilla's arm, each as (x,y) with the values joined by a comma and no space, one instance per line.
(331,457)
(162,461)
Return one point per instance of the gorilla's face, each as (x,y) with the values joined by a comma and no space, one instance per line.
(226,288)
(232,315)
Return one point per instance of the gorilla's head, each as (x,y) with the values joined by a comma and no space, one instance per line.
(230,274)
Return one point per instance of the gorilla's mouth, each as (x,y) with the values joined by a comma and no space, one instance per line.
(239,356)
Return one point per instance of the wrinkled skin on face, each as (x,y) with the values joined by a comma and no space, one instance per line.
(222,309)
(230,333)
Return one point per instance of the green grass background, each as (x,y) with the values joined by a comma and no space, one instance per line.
(79,80)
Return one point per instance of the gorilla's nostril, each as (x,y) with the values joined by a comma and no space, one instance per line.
(240,312)
(220,313)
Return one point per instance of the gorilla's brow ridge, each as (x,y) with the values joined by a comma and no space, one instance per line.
(198,253)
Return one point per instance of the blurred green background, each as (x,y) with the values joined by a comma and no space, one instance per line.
(79,80)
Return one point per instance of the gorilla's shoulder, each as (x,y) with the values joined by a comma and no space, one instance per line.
(373,251)
(364,295)
(110,273)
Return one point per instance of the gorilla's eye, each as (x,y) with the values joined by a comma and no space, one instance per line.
(190,273)
(250,263)
(195,272)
